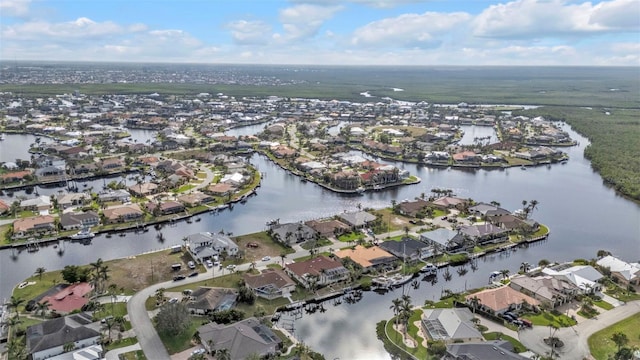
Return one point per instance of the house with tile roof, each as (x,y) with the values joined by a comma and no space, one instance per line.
(324,270)
(501,299)
(41,224)
(369,258)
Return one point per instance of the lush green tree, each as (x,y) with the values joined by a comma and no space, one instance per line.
(14,303)
(436,348)
(620,339)
(173,319)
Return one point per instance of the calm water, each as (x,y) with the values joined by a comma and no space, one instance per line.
(583,214)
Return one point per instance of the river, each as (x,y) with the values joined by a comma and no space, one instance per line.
(583,214)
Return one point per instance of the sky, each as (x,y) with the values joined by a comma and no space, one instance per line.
(324,32)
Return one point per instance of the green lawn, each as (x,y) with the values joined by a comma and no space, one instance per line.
(118,309)
(517,345)
(603,305)
(601,345)
(395,337)
(41,285)
(546,319)
(133,355)
(122,343)
(351,237)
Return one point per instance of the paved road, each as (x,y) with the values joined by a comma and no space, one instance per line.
(575,338)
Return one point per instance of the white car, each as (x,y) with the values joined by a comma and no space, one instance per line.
(231,267)
(198,352)
(191,265)
(266,258)
(209,263)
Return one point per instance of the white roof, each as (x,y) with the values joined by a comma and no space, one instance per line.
(625,269)
(583,276)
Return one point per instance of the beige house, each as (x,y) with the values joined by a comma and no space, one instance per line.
(33,225)
(122,213)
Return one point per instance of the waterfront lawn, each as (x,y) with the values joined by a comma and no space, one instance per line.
(227,281)
(182,342)
(419,352)
(266,246)
(517,345)
(389,221)
(601,345)
(547,318)
(48,280)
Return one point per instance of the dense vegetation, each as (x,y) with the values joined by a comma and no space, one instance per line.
(615,142)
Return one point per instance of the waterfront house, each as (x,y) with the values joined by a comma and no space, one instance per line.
(292,233)
(165,207)
(466,157)
(585,277)
(70,298)
(236,179)
(120,195)
(35,225)
(41,204)
(626,273)
(369,258)
(143,189)
(270,283)
(240,339)
(328,228)
(72,220)
(122,213)
(407,249)
(449,325)
(283,151)
(66,201)
(320,271)
(14,176)
(205,300)
(111,164)
(195,199)
(4,207)
(413,208)
(550,291)
(489,350)
(221,189)
(449,202)
(48,339)
(346,180)
(205,245)
(444,240)
(357,220)
(485,233)
(487,210)
(501,299)
(49,172)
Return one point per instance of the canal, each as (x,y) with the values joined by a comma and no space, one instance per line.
(583,214)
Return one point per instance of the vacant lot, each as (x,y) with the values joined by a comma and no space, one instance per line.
(265,246)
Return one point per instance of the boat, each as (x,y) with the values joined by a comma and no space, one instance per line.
(360,190)
(429,269)
(400,279)
(381,282)
(523,167)
(83,234)
(2,136)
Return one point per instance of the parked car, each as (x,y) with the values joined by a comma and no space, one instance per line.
(191,265)
(266,258)
(231,267)
(173,300)
(209,263)
(193,274)
(179,277)
(198,352)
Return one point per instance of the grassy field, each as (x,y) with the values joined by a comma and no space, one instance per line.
(547,319)
(601,345)
(266,246)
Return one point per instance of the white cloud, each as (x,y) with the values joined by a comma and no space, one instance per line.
(538,18)
(412,30)
(620,14)
(249,32)
(15,8)
(303,21)
(81,28)
(371,3)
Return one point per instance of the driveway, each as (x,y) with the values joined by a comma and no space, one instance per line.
(114,354)
(575,338)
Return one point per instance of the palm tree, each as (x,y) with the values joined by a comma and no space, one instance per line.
(525,267)
(475,303)
(223,354)
(43,307)
(112,290)
(396,307)
(14,303)
(533,204)
(283,256)
(505,273)
(39,272)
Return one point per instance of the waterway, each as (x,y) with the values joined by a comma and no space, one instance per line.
(583,214)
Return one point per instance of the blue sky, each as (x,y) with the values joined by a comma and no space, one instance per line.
(331,32)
